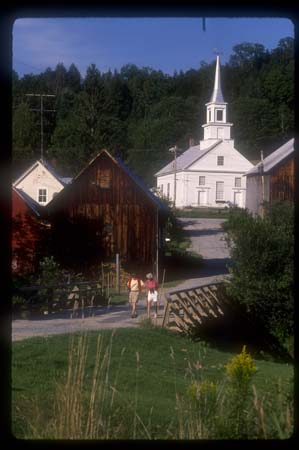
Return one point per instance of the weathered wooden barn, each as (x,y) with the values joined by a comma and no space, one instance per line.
(29,233)
(105,211)
(272,180)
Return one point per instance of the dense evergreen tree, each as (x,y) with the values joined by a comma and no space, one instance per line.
(139,113)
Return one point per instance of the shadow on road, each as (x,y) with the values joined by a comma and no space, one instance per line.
(205,232)
(200,269)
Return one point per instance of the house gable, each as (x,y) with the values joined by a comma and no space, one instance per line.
(222,158)
(39,183)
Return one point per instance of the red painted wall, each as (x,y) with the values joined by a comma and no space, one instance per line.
(25,236)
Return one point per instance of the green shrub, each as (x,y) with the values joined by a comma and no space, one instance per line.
(50,271)
(261,270)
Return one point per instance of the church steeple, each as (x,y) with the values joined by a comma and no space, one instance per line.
(217,92)
(217,127)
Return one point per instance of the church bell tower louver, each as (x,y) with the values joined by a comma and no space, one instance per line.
(217,126)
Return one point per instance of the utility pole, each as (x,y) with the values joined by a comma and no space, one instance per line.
(174,151)
(263,183)
(41,110)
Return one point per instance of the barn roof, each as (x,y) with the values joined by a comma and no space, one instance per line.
(134,177)
(187,158)
(142,186)
(32,204)
(274,159)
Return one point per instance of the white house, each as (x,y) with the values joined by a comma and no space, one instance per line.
(212,172)
(40,182)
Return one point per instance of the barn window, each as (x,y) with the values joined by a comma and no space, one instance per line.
(104,178)
(220,160)
(202,181)
(219,191)
(237,182)
(42,195)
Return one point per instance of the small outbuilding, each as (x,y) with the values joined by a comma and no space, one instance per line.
(271,179)
(105,211)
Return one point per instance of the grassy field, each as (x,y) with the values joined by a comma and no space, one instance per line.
(135,389)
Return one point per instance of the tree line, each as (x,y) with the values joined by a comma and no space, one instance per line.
(139,113)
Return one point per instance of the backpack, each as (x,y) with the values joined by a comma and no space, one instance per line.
(139,284)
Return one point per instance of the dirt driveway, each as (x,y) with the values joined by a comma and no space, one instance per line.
(207,238)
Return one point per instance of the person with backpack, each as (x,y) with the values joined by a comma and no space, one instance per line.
(134,286)
(152,293)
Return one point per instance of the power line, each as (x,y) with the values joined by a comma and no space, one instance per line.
(42,110)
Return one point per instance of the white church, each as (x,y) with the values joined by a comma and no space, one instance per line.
(212,172)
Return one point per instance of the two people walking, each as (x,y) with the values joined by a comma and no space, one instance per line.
(136,285)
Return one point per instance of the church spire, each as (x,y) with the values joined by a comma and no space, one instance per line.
(216,126)
(217,92)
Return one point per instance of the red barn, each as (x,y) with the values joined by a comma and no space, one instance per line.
(104,211)
(27,232)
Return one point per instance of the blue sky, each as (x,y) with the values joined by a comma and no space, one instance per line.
(165,44)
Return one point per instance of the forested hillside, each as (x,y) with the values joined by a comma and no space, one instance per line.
(139,113)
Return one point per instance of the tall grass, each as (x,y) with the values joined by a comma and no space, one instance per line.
(93,407)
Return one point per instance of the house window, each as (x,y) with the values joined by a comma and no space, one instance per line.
(238,182)
(202,181)
(219,115)
(219,191)
(104,178)
(42,195)
(168,190)
(220,160)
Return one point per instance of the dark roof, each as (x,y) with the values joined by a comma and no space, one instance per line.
(63,180)
(32,204)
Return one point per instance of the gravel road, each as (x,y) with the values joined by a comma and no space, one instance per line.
(207,238)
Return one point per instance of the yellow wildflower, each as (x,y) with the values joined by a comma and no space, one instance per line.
(241,367)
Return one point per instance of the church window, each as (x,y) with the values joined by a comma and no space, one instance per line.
(220,160)
(161,188)
(237,182)
(168,190)
(219,190)
(202,181)
(219,115)
(210,115)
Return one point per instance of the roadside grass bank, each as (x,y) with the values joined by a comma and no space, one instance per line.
(146,383)
(203,213)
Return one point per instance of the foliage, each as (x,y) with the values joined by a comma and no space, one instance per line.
(262,253)
(62,383)
(50,271)
(240,371)
(139,113)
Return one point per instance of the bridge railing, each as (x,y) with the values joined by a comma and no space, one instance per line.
(190,307)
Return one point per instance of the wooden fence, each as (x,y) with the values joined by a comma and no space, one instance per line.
(46,299)
(187,308)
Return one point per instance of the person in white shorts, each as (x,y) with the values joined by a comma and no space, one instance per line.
(152,293)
